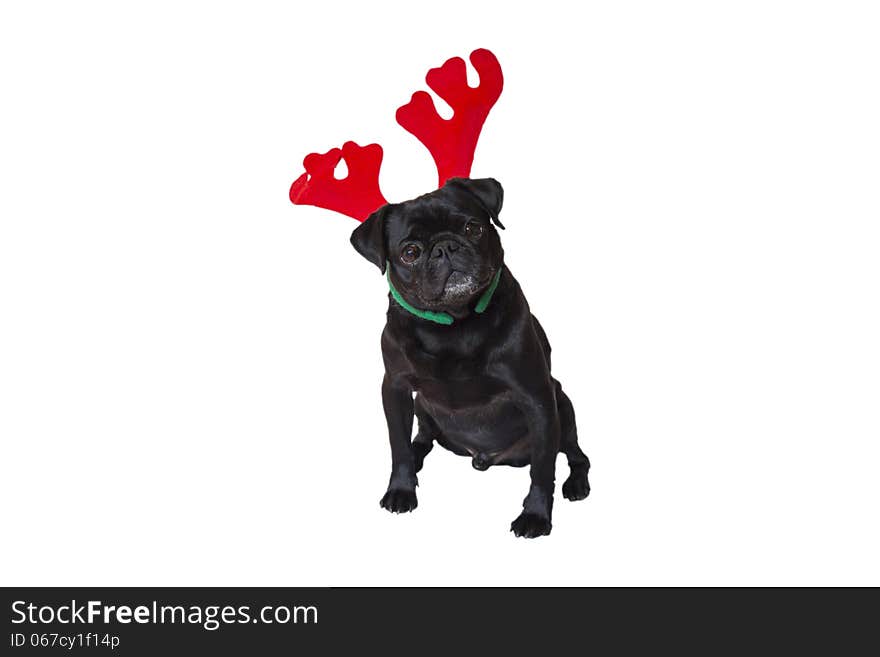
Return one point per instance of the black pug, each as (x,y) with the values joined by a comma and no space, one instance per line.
(460,336)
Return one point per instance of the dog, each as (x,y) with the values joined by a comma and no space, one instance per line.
(463,352)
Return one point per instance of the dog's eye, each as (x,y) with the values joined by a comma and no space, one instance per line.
(473,229)
(410,253)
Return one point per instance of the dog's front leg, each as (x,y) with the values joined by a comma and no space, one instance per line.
(397,401)
(543,421)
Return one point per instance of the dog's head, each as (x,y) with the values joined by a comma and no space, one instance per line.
(442,248)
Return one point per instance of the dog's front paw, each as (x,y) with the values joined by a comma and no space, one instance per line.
(399,500)
(577,486)
(530,525)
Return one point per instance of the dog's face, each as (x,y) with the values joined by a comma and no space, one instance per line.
(442,248)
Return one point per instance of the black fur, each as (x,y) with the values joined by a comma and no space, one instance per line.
(483,384)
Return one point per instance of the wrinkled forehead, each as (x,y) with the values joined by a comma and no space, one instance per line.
(431,214)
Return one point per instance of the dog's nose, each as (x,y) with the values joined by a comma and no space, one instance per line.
(444,248)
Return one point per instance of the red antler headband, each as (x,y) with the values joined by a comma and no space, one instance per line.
(451,142)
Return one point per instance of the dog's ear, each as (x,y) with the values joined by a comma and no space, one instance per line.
(487,191)
(368,239)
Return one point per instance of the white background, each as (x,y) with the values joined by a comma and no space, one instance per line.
(190,365)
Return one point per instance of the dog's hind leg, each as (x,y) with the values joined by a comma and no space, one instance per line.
(427,433)
(577,486)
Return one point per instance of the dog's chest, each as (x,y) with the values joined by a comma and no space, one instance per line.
(471,406)
(475,413)
(453,380)
(460,394)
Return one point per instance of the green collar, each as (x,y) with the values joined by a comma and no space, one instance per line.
(441,318)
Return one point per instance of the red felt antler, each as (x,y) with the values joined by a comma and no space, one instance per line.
(357,195)
(452,142)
